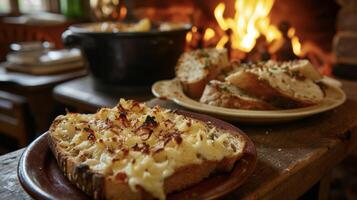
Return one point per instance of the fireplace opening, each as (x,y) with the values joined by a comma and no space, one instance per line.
(254,30)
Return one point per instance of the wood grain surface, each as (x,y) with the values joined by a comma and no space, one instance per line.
(292,157)
(9,184)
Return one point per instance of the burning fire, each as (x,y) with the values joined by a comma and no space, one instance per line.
(294,41)
(251,20)
(209,34)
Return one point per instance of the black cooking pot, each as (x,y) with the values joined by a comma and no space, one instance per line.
(128,58)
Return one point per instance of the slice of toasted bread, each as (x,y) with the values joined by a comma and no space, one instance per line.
(194,69)
(230,69)
(280,86)
(135,152)
(304,67)
(223,94)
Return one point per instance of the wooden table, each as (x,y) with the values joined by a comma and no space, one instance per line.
(292,157)
(81,93)
(37,90)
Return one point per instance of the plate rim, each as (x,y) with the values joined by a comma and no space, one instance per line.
(186,102)
(248,160)
(22,174)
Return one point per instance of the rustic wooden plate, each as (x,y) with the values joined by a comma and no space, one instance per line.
(172,90)
(40,176)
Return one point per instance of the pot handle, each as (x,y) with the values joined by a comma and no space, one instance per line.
(70,39)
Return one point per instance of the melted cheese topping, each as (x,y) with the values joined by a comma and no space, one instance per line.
(141,145)
(286,77)
(305,89)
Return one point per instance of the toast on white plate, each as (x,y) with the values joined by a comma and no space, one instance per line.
(132,151)
(223,94)
(277,83)
(196,68)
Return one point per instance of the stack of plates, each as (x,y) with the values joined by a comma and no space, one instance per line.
(43,61)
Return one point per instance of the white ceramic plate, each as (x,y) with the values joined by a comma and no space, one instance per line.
(172,90)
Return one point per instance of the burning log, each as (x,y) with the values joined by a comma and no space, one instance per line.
(285,52)
(228,45)
(260,50)
(201,41)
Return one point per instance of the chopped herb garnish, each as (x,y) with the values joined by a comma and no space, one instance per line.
(207,63)
(224,88)
(204,54)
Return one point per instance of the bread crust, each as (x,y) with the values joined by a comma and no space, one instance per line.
(194,88)
(80,175)
(221,94)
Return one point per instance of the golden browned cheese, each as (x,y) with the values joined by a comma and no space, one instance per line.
(144,145)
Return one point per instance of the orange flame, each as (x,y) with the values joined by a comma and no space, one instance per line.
(189,35)
(295,43)
(123,11)
(250,21)
(209,34)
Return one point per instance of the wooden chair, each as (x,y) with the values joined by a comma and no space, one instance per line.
(15,120)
